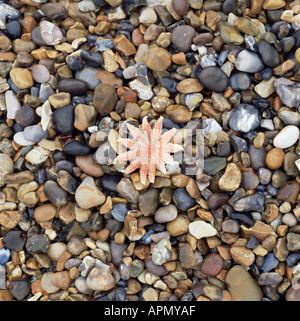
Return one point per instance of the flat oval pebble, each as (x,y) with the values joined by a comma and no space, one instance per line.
(214,79)
(50,33)
(287,137)
(40,73)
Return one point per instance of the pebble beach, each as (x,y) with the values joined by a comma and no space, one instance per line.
(178,220)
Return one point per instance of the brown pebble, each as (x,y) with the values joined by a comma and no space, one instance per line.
(212,264)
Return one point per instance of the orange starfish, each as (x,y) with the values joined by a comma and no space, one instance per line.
(149,149)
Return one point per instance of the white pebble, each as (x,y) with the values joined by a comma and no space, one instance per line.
(286,137)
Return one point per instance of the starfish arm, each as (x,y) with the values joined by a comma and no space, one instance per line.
(167,158)
(143,173)
(156,131)
(135,132)
(172,148)
(167,136)
(127,155)
(161,166)
(146,127)
(129,143)
(133,166)
(151,172)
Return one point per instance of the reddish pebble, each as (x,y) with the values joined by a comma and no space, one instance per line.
(137,37)
(212,264)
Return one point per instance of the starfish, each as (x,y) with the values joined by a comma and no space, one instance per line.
(149,149)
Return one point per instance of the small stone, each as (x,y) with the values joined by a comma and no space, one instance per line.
(87,165)
(37,243)
(265,88)
(269,54)
(12,104)
(63,120)
(100,279)
(242,255)
(7,167)
(182,37)
(231,179)
(88,195)
(273,4)
(35,133)
(57,196)
(60,100)
(157,59)
(20,288)
(127,190)
(180,225)
(216,200)
(229,34)
(288,91)
(84,116)
(245,118)
(214,79)
(242,286)
(37,155)
(162,252)
(40,73)
(166,214)
(148,16)
(230,226)
(248,61)
(179,113)
(287,137)
(201,229)
(293,241)
(76,245)
(50,33)
(105,98)
(275,158)
(22,78)
(74,87)
(212,264)
(186,256)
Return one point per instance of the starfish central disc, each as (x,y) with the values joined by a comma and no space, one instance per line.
(148,149)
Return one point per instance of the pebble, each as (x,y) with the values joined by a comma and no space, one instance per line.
(275,158)
(242,286)
(201,229)
(50,33)
(214,79)
(288,91)
(287,137)
(212,264)
(105,98)
(88,195)
(182,37)
(88,75)
(35,133)
(269,54)
(166,214)
(100,279)
(20,288)
(245,118)
(40,73)
(37,243)
(63,120)
(158,59)
(231,179)
(248,61)
(21,77)
(57,196)
(74,87)
(7,167)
